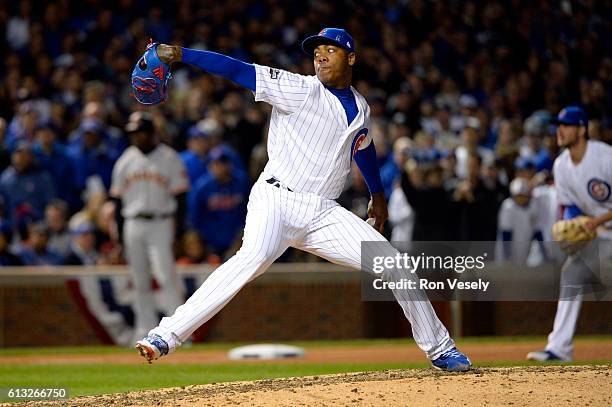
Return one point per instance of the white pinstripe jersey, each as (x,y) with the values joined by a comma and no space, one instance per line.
(310,144)
(588,184)
(149,182)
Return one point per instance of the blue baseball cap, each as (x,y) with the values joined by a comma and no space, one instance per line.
(90,125)
(523,163)
(333,36)
(572,116)
(219,154)
(195,131)
(82,227)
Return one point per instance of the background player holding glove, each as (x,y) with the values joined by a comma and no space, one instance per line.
(319,124)
(583,175)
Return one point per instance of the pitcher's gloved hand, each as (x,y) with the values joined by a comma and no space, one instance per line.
(169,53)
(151,74)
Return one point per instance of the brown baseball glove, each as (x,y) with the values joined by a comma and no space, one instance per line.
(573,234)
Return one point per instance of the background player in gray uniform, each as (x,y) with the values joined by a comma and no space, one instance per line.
(583,175)
(149,183)
(319,125)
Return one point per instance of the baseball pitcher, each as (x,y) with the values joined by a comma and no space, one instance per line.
(319,125)
(583,174)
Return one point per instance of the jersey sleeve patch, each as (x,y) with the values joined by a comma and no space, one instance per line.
(598,189)
(360,141)
(284,90)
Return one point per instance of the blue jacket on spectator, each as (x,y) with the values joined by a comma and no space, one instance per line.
(94,161)
(15,130)
(31,258)
(33,186)
(195,165)
(110,136)
(61,168)
(218,211)
(389,173)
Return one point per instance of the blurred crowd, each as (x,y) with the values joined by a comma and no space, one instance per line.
(461,94)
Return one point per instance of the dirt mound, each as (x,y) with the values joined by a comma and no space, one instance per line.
(518,386)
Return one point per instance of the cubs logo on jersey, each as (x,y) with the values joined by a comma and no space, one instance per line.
(598,189)
(358,140)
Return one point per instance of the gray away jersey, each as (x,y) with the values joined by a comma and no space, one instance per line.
(149,182)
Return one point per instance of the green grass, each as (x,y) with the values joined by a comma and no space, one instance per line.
(89,379)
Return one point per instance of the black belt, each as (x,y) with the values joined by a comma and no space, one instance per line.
(277,183)
(151,216)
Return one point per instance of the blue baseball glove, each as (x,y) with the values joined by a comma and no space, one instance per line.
(150,77)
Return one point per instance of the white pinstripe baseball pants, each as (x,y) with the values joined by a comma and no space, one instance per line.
(577,267)
(277,219)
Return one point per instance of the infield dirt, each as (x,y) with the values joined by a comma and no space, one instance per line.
(513,386)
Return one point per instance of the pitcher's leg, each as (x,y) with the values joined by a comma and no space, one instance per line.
(573,274)
(560,340)
(580,271)
(264,241)
(337,236)
(218,289)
